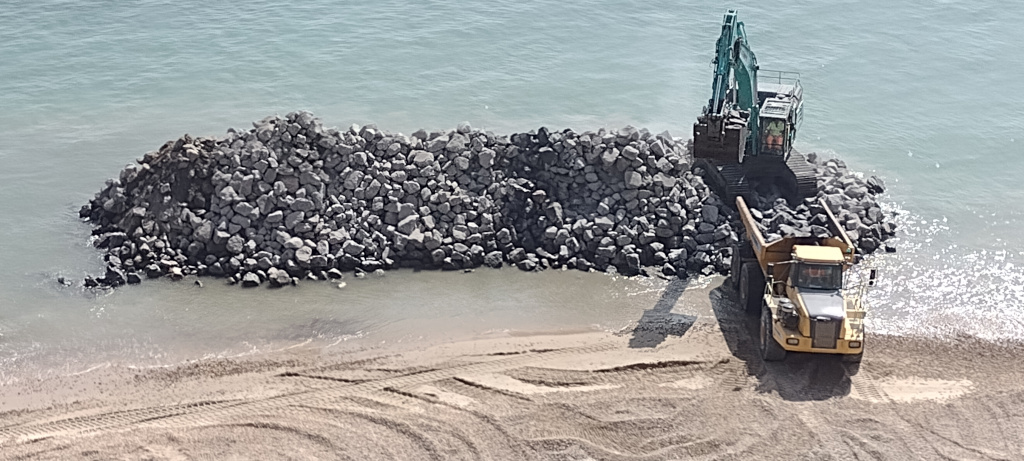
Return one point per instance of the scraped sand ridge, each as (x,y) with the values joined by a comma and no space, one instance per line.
(676,386)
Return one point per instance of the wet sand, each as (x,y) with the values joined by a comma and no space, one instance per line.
(674,385)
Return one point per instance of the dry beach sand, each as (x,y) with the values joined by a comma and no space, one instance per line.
(675,387)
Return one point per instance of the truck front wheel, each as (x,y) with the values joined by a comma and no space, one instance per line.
(771,350)
(751,287)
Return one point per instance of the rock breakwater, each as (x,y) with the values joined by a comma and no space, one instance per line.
(291,199)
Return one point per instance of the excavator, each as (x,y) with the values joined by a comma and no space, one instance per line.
(746,132)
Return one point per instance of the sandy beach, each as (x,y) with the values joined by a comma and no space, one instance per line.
(673,387)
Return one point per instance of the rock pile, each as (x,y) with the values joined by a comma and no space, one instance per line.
(290,198)
(851,199)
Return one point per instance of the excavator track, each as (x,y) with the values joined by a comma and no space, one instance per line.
(734,182)
(805,175)
(797,177)
(727,180)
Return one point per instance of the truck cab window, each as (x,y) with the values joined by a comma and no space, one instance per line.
(819,276)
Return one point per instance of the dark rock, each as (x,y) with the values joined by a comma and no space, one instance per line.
(292,199)
(875,185)
(235,244)
(527,265)
(493,259)
(250,280)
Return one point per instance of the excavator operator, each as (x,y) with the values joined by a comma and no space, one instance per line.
(775,130)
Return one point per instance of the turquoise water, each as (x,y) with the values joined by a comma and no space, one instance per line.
(922,94)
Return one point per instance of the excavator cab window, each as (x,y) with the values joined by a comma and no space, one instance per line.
(773,136)
(819,276)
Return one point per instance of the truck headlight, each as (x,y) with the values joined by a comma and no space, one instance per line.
(793,341)
(854,344)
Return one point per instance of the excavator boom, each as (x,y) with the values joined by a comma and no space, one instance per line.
(746,132)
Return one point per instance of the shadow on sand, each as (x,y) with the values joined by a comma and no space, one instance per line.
(800,377)
(658,322)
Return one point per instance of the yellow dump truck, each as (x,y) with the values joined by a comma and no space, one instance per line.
(800,287)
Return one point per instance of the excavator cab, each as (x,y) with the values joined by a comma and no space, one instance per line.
(774,136)
(745,135)
(780,96)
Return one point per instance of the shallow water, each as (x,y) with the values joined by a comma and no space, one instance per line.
(163,322)
(921,94)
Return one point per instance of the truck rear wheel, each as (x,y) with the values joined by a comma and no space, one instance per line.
(771,350)
(751,287)
(741,252)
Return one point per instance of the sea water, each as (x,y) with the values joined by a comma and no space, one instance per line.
(923,94)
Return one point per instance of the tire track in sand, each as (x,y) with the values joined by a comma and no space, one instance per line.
(214,412)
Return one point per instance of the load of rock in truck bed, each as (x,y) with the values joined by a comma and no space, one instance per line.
(851,199)
(290,199)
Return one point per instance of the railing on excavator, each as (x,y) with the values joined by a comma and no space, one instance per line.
(778,76)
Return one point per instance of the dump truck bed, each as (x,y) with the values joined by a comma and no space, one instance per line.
(782,250)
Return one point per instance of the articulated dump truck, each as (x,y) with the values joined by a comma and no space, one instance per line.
(799,285)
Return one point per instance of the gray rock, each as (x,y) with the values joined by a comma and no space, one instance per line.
(709,213)
(875,185)
(294,243)
(516,255)
(504,236)
(493,259)
(352,248)
(856,192)
(303,255)
(303,204)
(869,244)
(294,218)
(228,194)
(275,217)
(486,158)
(527,265)
(243,208)
(633,179)
(421,158)
(235,244)
(408,224)
(250,280)
(279,277)
(204,232)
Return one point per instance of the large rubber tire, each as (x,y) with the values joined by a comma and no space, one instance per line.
(751,287)
(771,350)
(741,252)
(852,358)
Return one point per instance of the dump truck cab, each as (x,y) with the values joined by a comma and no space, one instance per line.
(798,284)
(809,311)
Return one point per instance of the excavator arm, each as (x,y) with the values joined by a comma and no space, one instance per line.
(734,63)
(737,139)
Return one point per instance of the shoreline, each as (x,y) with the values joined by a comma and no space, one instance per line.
(528,386)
